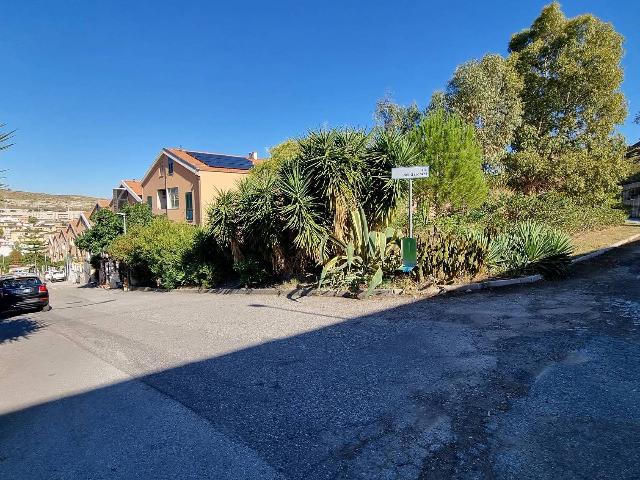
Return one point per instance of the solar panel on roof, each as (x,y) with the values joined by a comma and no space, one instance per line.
(222,161)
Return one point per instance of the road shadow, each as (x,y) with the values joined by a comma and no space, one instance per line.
(12,330)
(413,391)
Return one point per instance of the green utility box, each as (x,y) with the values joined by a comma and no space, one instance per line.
(409,254)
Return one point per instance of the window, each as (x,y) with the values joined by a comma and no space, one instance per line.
(162,199)
(150,202)
(21,282)
(174,200)
(188,203)
(170,166)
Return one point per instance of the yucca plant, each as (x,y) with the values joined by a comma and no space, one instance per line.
(301,212)
(531,247)
(364,257)
(380,193)
(5,137)
(259,225)
(222,222)
(335,160)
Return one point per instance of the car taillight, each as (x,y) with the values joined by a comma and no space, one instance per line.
(43,289)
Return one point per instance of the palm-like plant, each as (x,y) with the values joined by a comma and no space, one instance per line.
(223,222)
(5,137)
(301,212)
(381,193)
(335,160)
(531,248)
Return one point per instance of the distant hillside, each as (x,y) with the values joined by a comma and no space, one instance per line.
(45,201)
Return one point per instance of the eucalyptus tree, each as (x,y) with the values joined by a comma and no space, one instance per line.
(399,118)
(486,93)
(572,104)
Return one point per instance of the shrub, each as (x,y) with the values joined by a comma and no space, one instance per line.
(251,272)
(553,209)
(531,247)
(447,255)
(205,262)
(156,252)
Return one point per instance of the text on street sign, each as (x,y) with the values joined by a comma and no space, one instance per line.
(410,172)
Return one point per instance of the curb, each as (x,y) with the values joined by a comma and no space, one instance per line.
(292,293)
(601,251)
(386,292)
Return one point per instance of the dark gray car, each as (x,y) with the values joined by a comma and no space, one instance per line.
(26,292)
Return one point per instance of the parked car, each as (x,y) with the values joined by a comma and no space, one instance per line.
(26,292)
(58,276)
(55,275)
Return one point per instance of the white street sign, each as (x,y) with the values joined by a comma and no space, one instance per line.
(410,172)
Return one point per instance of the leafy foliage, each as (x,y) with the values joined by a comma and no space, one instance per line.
(531,247)
(572,104)
(33,247)
(251,272)
(157,251)
(486,94)
(396,118)
(16,257)
(553,209)
(364,257)
(282,217)
(137,215)
(278,155)
(448,145)
(301,212)
(380,192)
(106,227)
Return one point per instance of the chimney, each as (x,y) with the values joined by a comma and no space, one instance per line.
(253,156)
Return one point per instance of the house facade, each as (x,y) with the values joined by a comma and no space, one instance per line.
(181,184)
(129,192)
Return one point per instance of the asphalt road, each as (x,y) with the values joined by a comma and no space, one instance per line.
(539,381)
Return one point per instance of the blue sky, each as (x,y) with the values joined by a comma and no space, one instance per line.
(96,89)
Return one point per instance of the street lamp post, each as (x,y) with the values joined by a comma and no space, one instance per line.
(124,221)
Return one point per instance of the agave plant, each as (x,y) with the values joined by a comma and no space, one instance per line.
(364,257)
(531,248)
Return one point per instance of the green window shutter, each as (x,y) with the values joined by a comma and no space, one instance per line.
(188,201)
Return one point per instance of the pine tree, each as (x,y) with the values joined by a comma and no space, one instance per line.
(449,146)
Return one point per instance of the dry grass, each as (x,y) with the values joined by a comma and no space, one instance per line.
(590,241)
(44,201)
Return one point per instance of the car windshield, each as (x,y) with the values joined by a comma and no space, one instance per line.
(21,282)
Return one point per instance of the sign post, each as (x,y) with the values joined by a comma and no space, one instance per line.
(409,253)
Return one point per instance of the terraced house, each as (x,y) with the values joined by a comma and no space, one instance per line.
(128,192)
(182,183)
